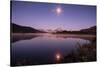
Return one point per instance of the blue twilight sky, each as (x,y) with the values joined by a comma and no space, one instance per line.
(44,16)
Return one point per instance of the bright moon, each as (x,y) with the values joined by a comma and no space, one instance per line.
(58,10)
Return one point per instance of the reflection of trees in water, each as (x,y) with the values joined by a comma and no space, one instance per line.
(92,39)
(16,38)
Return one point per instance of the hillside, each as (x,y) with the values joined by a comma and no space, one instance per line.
(91,30)
(23,29)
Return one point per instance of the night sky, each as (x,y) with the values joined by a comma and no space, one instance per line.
(44,15)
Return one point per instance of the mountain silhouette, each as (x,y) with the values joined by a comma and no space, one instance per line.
(23,29)
(91,30)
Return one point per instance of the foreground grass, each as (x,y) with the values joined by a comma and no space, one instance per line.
(84,53)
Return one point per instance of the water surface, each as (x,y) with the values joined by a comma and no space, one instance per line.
(43,49)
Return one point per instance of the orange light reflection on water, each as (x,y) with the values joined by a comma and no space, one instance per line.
(58,57)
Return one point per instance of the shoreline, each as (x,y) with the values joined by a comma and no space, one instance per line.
(53,34)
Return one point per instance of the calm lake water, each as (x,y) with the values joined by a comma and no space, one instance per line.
(43,49)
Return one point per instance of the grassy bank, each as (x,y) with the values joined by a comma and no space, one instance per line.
(84,53)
